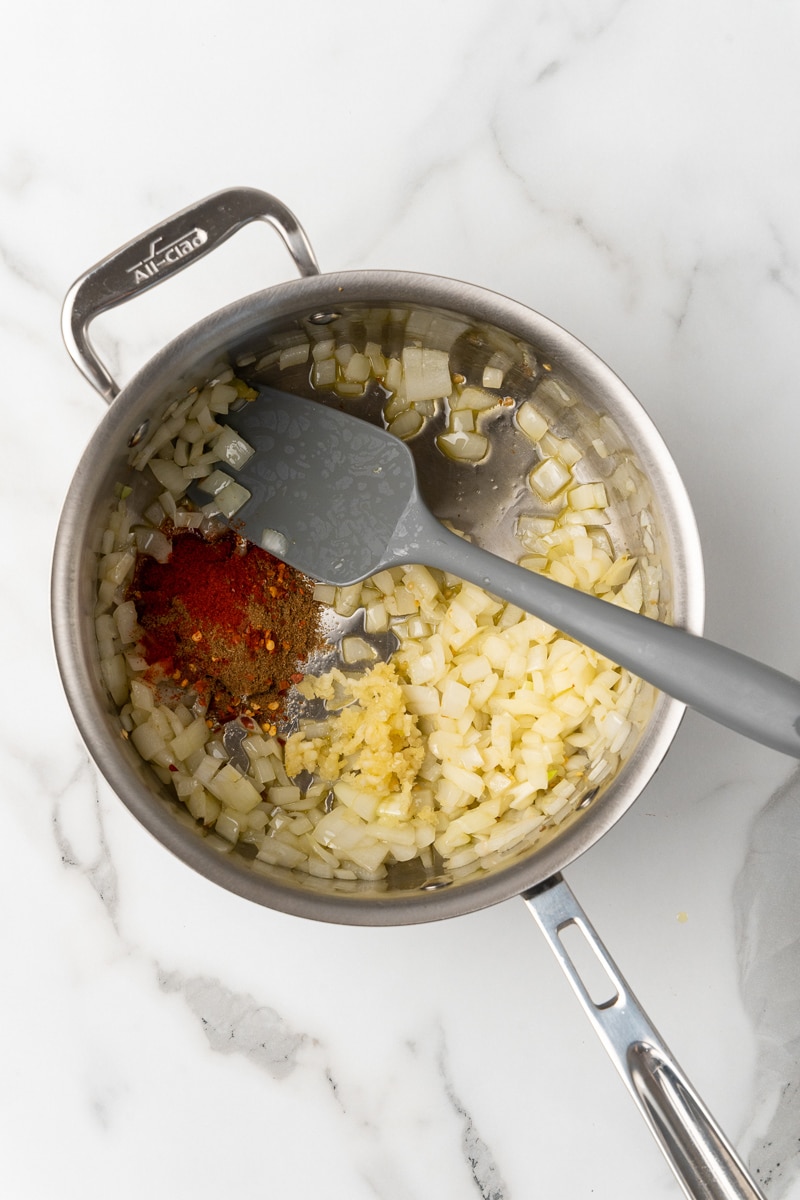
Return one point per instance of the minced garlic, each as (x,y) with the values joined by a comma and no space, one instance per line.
(373,738)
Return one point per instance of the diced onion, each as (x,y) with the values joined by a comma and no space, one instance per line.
(461,421)
(324,593)
(116,677)
(275,542)
(426,373)
(531,421)
(464,446)
(168,474)
(232,448)
(126,621)
(358,369)
(347,389)
(323,349)
(222,395)
(355,649)
(231,498)
(293,356)
(215,482)
(324,373)
(487,725)
(549,478)
(154,543)
(394,374)
(406,424)
(185,519)
(472,398)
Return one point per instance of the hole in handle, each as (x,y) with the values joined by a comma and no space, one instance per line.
(594,975)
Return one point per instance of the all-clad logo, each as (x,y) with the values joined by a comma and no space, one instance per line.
(160,256)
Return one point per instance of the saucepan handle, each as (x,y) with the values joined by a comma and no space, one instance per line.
(161,252)
(705,1164)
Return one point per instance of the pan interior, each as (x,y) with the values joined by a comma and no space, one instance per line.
(583,402)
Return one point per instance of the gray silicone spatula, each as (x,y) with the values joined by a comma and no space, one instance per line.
(339,500)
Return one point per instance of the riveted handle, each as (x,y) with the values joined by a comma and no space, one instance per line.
(160,253)
(704,1162)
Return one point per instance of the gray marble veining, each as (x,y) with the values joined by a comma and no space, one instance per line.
(767,907)
(632,171)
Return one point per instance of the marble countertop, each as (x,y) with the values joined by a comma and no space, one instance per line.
(630,169)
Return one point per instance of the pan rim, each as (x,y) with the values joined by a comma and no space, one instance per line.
(218,333)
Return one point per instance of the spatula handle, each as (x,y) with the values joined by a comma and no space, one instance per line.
(729,687)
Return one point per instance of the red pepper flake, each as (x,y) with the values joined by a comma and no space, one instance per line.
(227,615)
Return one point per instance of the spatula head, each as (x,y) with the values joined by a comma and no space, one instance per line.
(332,486)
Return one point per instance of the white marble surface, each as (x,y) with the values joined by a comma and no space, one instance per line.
(632,170)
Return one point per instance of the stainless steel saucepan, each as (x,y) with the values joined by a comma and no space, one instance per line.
(651,518)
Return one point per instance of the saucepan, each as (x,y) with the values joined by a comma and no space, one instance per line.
(580,420)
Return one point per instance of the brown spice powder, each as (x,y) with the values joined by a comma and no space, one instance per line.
(228,620)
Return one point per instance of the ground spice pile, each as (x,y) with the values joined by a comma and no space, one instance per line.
(226,619)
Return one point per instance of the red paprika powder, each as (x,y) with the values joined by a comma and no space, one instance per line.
(226,620)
